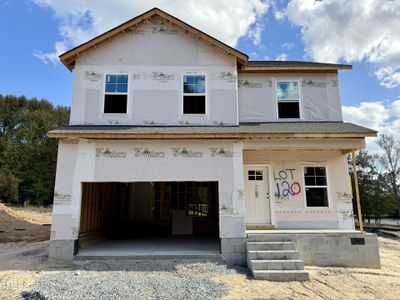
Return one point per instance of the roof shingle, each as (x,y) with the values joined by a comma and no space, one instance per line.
(293,63)
(241,131)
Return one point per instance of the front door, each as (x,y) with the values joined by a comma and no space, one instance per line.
(257,195)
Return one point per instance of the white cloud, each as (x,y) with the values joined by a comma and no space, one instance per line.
(51,57)
(369,114)
(352,31)
(287,45)
(282,56)
(253,55)
(226,20)
(278,9)
(255,33)
(279,15)
(379,116)
(388,76)
(395,109)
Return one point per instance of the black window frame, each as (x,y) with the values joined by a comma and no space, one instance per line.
(255,175)
(317,184)
(116,94)
(186,96)
(282,102)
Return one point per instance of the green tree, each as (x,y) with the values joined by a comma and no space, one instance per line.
(375,200)
(27,155)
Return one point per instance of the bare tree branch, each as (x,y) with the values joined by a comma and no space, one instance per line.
(390,160)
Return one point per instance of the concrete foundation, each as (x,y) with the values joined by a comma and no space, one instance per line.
(328,248)
(233,250)
(61,251)
(319,248)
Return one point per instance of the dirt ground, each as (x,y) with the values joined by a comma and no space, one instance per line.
(329,283)
(24,225)
(22,263)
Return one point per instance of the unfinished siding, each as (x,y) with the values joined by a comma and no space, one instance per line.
(91,161)
(319,97)
(290,211)
(155,63)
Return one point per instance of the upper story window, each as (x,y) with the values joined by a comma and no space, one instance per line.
(116,94)
(288,100)
(194,94)
(316,186)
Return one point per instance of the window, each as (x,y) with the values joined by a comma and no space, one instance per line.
(288,100)
(116,94)
(316,186)
(194,94)
(255,175)
(198,199)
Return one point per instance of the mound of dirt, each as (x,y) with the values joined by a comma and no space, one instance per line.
(17,226)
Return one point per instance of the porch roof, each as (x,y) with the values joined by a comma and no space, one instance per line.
(269,66)
(242,131)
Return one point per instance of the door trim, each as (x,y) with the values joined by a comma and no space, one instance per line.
(270,183)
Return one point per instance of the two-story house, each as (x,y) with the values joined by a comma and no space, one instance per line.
(178,137)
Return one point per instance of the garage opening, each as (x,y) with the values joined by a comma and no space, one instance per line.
(149,215)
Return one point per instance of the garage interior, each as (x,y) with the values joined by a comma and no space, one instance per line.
(145,218)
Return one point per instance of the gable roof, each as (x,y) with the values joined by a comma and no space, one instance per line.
(68,58)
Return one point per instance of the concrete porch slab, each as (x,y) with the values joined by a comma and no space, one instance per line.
(341,248)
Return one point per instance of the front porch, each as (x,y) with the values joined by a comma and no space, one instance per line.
(331,247)
(300,189)
(344,248)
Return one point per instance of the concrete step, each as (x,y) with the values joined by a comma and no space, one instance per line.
(270,246)
(272,254)
(281,275)
(266,237)
(276,264)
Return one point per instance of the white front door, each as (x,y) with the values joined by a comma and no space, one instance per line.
(257,195)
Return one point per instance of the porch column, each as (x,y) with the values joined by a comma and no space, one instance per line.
(360,222)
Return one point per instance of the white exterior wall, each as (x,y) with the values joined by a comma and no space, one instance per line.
(319,97)
(86,161)
(291,212)
(157,100)
(154,99)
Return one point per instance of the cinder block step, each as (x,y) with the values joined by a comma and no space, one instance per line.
(276,265)
(270,246)
(272,254)
(281,275)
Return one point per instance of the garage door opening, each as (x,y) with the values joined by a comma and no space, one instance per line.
(152,215)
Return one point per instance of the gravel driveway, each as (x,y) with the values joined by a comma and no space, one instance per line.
(158,279)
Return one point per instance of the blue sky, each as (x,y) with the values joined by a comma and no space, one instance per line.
(290,30)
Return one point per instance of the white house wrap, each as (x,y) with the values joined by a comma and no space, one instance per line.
(172,131)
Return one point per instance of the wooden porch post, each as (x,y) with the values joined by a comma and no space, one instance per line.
(360,222)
